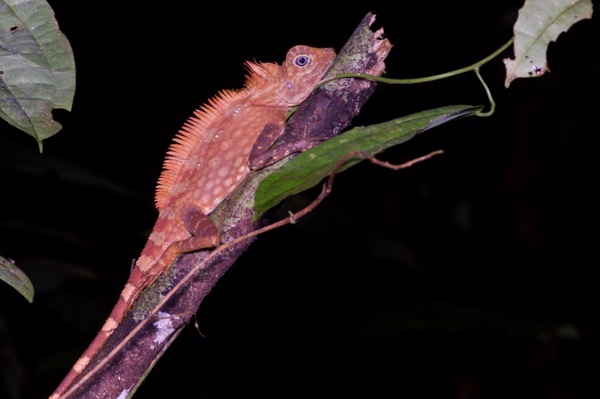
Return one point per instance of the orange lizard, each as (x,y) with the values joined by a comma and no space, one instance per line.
(207,161)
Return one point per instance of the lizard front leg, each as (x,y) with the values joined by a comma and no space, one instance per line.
(269,135)
(299,136)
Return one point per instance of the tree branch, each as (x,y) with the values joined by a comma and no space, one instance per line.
(153,324)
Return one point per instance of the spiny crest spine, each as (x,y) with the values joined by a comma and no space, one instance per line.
(192,134)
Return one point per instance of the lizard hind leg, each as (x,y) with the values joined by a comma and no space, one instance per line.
(203,230)
(203,235)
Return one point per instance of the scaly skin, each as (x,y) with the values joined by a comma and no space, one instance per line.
(207,161)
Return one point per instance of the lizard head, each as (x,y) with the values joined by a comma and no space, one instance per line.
(301,71)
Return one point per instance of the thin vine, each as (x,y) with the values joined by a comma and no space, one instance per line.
(474,67)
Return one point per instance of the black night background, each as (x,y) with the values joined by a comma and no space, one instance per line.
(472,275)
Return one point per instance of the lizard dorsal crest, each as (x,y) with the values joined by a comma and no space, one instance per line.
(267,85)
(198,126)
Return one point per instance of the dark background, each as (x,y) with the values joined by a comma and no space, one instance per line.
(473,275)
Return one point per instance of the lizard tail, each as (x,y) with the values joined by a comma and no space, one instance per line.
(116,316)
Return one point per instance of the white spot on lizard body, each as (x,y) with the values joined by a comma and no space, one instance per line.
(81,363)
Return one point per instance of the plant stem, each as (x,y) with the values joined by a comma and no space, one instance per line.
(466,69)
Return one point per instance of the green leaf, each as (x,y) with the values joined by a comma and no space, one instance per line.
(541,22)
(14,277)
(310,167)
(37,69)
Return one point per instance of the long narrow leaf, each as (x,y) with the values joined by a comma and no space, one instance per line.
(310,167)
(13,276)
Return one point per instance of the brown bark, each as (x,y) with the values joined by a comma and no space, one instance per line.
(136,345)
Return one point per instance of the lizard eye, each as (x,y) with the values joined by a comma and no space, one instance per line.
(302,60)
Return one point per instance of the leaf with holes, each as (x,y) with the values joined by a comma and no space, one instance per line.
(541,22)
(37,69)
